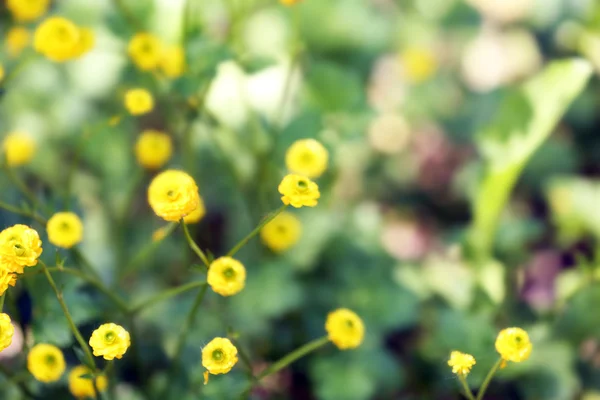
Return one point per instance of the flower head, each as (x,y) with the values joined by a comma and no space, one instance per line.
(282,232)
(226,276)
(6,279)
(219,356)
(61,40)
(17,38)
(198,213)
(419,64)
(173,194)
(139,101)
(461,363)
(65,229)
(83,388)
(307,157)
(299,191)
(110,341)
(27,10)
(513,344)
(345,329)
(18,149)
(6,331)
(153,149)
(1,72)
(289,2)
(146,51)
(172,62)
(20,246)
(46,363)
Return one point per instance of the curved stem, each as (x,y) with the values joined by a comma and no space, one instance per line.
(165,295)
(84,262)
(188,324)
(145,252)
(63,305)
(15,210)
(22,187)
(293,356)
(193,245)
(488,379)
(467,389)
(256,230)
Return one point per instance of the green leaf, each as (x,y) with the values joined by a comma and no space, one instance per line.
(87,376)
(524,121)
(80,354)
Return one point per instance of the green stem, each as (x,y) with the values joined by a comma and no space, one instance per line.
(256,230)
(245,359)
(84,262)
(293,356)
(488,379)
(2,301)
(467,389)
(21,186)
(17,70)
(188,324)
(128,15)
(165,295)
(193,245)
(63,305)
(15,210)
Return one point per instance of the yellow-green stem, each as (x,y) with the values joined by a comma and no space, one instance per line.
(165,295)
(2,301)
(467,389)
(256,230)
(188,324)
(15,210)
(63,305)
(488,379)
(193,245)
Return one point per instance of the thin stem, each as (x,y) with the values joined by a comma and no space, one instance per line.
(467,389)
(165,295)
(293,356)
(488,379)
(193,244)
(21,186)
(84,262)
(256,230)
(2,301)
(128,15)
(15,210)
(17,70)
(188,324)
(245,359)
(65,309)
(146,252)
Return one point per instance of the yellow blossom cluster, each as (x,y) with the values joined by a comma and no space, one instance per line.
(148,53)
(20,247)
(18,149)
(59,39)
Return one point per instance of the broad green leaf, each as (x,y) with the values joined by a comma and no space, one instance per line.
(524,121)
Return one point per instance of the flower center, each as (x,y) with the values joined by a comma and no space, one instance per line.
(302,185)
(229,273)
(19,249)
(281,229)
(109,337)
(50,360)
(217,355)
(64,226)
(307,157)
(349,324)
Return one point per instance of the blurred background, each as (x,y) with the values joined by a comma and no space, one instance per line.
(397,91)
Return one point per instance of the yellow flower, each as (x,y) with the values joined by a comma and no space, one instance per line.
(345,329)
(64,229)
(110,341)
(419,64)
(20,246)
(172,62)
(307,157)
(17,39)
(60,39)
(159,234)
(198,213)
(27,10)
(6,331)
(513,344)
(1,73)
(282,232)
(219,356)
(153,149)
(289,2)
(299,191)
(173,194)
(226,276)
(18,148)
(6,279)
(139,101)
(83,387)
(146,51)
(46,363)
(461,363)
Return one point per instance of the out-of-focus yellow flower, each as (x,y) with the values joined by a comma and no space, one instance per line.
(345,329)
(513,344)
(418,64)
(1,73)
(61,40)
(461,363)
(20,246)
(307,157)
(226,276)
(6,279)
(110,341)
(6,331)
(173,194)
(159,234)
(46,362)
(282,232)
(153,149)
(172,62)
(114,120)
(139,101)
(27,10)
(299,191)
(146,51)
(83,387)
(18,148)
(17,39)
(219,356)
(289,2)
(198,213)
(64,229)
